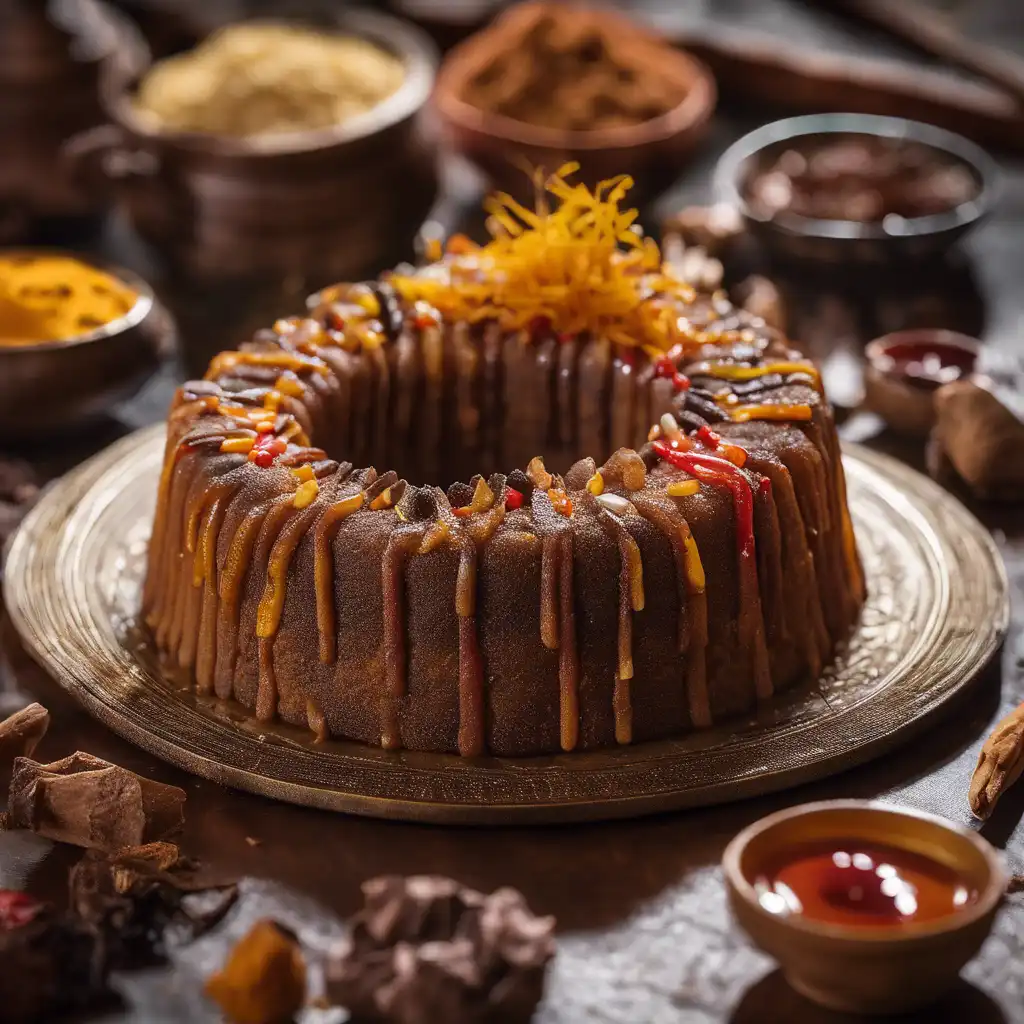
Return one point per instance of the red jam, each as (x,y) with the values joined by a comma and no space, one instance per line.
(927,363)
(854,882)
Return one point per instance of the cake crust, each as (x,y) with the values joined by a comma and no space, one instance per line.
(625,583)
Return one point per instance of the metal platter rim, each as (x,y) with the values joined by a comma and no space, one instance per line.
(47,545)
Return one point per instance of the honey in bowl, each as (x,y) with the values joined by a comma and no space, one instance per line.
(853,882)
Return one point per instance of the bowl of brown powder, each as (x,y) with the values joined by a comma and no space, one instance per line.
(550,82)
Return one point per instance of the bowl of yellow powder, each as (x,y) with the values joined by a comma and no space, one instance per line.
(274,150)
(267,81)
(75,338)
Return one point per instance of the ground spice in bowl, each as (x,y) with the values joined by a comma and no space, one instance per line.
(46,297)
(267,78)
(561,67)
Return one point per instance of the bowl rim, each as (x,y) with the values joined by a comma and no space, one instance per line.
(988,899)
(401,38)
(692,110)
(727,178)
(145,302)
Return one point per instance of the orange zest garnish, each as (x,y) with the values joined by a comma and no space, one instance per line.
(577,267)
(743,413)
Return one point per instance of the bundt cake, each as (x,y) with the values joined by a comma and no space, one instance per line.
(628,583)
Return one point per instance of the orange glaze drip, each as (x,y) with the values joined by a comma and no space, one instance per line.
(268,613)
(225,362)
(471,669)
(568,656)
(745,413)
(549,592)
(401,544)
(733,371)
(281,516)
(693,613)
(323,570)
(631,599)
(205,570)
(266,690)
(316,722)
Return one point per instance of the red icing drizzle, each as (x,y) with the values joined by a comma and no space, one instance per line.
(664,367)
(713,470)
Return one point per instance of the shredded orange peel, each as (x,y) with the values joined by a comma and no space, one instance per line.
(580,266)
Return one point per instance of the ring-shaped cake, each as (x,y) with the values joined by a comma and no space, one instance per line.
(630,583)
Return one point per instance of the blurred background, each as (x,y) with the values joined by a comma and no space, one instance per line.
(233,170)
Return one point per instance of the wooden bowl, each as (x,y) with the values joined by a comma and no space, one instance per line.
(907,403)
(865,969)
(652,152)
(313,207)
(55,385)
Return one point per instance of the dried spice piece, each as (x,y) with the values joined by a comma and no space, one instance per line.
(264,978)
(21,732)
(980,431)
(143,899)
(86,801)
(426,948)
(999,765)
(568,68)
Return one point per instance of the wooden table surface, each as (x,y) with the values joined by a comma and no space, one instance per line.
(644,932)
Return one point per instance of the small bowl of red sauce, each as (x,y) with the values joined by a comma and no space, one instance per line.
(906,368)
(867,908)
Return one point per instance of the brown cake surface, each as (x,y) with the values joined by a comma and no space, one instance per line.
(627,583)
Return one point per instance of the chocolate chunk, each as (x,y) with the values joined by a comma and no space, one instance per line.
(85,801)
(460,494)
(264,978)
(518,480)
(426,948)
(21,732)
(142,899)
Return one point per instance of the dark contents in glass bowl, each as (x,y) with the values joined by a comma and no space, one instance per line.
(863,178)
(926,362)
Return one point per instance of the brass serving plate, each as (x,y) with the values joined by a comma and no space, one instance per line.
(938,609)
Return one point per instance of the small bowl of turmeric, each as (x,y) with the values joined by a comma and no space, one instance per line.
(549,83)
(76,337)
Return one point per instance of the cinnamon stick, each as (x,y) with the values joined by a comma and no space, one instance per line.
(999,765)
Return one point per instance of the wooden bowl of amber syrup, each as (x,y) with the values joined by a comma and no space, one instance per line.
(76,337)
(550,83)
(868,908)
